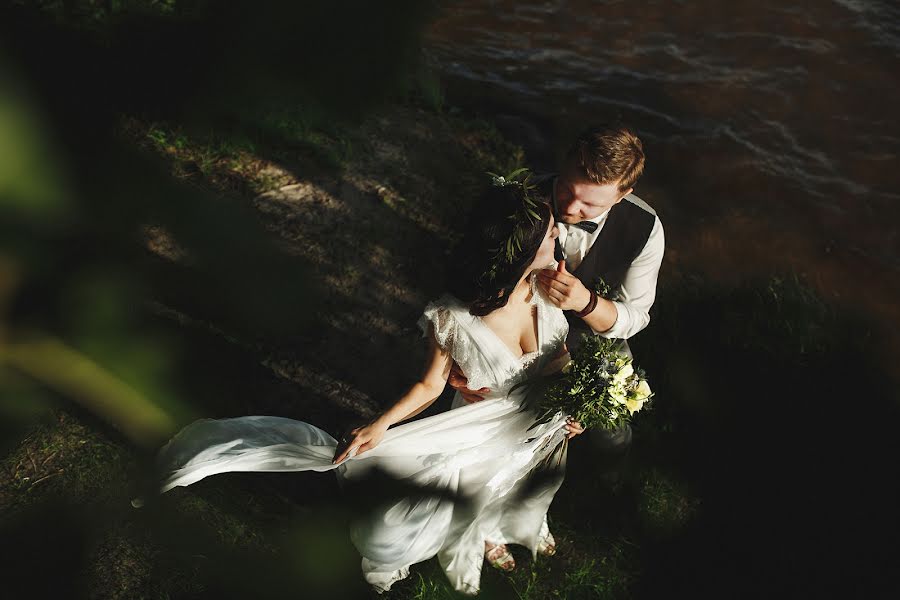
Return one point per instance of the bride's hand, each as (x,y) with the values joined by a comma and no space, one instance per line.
(573,427)
(360,440)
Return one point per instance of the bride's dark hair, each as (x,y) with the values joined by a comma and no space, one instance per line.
(488,229)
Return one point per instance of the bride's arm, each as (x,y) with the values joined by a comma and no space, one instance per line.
(425,391)
(419,397)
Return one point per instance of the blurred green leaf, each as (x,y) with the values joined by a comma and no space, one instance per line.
(31,178)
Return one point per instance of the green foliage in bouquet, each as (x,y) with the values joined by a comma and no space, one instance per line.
(603,289)
(599,387)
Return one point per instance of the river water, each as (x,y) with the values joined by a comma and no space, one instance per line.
(770,127)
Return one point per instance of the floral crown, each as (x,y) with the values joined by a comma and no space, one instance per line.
(523,218)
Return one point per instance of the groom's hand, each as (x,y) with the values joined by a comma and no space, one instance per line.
(458,381)
(573,427)
(564,289)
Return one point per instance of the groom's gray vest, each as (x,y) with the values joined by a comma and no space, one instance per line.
(624,235)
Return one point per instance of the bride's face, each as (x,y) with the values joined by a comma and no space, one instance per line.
(544,256)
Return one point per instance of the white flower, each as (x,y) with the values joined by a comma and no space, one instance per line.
(617,394)
(643,390)
(633,405)
(624,373)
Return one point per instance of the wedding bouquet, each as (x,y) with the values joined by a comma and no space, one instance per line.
(599,387)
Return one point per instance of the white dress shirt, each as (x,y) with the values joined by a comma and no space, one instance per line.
(639,286)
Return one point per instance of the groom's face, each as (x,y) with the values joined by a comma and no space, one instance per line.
(578,198)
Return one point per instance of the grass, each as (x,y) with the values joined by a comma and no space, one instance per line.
(581,571)
(65,455)
(583,567)
(665,506)
(738,370)
(72,462)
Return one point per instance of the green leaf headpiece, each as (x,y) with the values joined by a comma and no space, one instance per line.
(523,219)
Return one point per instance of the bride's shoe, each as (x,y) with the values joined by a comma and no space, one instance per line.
(547,545)
(499,556)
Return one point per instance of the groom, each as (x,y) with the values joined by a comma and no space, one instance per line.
(609,240)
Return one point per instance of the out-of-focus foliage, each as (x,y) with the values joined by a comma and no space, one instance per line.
(75,200)
(31,174)
(80,295)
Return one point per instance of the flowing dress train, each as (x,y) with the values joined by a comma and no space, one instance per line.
(484,452)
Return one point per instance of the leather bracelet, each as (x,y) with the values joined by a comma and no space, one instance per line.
(591,305)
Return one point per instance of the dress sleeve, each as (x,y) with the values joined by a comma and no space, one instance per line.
(638,291)
(441,318)
(452,337)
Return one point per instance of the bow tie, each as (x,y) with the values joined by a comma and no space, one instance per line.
(588,226)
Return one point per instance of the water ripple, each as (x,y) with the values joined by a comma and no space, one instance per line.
(805,95)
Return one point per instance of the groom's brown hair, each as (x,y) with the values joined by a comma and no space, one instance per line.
(607,153)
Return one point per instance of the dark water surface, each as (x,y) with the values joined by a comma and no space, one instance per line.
(770,128)
(772,145)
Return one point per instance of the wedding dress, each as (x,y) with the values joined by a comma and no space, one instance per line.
(482,451)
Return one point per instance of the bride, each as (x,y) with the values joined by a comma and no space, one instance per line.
(483,458)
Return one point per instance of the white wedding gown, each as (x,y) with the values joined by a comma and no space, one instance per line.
(483,451)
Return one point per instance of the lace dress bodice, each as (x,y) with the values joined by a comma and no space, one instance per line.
(481,355)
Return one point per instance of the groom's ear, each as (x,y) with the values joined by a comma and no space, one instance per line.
(625,193)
